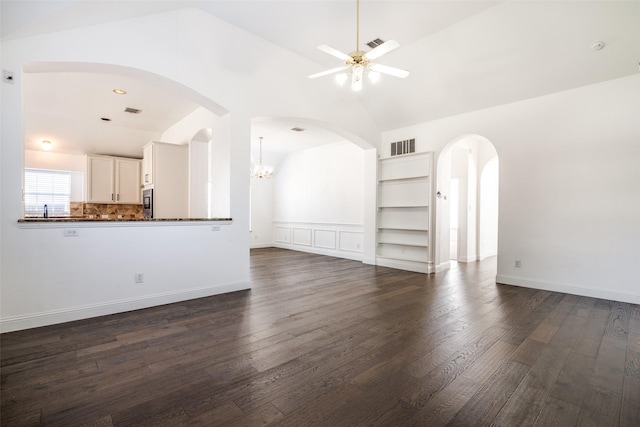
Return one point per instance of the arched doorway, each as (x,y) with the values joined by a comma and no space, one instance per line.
(466,208)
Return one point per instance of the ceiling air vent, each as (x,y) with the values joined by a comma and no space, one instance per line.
(132,110)
(297,129)
(403,147)
(375,43)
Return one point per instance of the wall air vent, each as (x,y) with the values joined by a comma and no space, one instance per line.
(375,43)
(403,147)
(132,110)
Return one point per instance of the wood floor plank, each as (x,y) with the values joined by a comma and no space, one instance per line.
(322,341)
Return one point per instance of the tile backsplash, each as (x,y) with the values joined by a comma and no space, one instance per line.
(98,210)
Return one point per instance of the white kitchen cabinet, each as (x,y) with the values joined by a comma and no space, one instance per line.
(147,165)
(403,238)
(167,166)
(113,180)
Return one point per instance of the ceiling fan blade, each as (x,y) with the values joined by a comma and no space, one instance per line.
(380,50)
(384,69)
(334,52)
(331,71)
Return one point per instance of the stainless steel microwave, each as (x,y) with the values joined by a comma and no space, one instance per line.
(147,203)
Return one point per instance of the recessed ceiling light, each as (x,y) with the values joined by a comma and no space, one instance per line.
(46,145)
(105,119)
(120,91)
(298,129)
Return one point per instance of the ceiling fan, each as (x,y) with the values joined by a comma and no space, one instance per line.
(358,63)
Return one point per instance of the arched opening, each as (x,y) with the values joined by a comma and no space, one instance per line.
(466,212)
(104,120)
(318,198)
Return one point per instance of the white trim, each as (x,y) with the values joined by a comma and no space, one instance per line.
(443,266)
(415,266)
(330,224)
(296,238)
(15,323)
(260,245)
(569,289)
(369,261)
(355,256)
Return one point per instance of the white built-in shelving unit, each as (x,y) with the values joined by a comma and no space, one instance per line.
(404,195)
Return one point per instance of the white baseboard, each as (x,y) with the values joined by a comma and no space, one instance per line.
(568,289)
(16,323)
(369,261)
(355,256)
(443,266)
(261,245)
(417,267)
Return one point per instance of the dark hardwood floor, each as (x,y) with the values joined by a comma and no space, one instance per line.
(322,341)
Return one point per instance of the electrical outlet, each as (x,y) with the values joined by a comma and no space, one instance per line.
(518,264)
(7,76)
(71,233)
(139,277)
(216,228)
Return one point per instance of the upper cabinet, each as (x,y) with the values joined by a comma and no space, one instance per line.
(166,170)
(147,164)
(113,180)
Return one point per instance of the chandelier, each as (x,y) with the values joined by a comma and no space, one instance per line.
(260,171)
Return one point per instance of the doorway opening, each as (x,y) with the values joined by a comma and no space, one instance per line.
(467,214)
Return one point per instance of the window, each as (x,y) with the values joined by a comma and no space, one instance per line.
(47,187)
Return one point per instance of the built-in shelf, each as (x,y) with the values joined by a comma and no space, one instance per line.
(408,178)
(418,245)
(403,229)
(404,196)
(402,206)
(403,257)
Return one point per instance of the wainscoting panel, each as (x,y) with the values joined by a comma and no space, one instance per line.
(350,241)
(302,236)
(282,234)
(333,239)
(325,239)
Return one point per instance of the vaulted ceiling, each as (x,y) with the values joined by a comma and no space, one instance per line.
(462,55)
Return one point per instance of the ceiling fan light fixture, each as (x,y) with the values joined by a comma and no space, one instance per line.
(358,63)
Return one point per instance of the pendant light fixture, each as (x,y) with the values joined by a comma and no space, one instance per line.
(260,171)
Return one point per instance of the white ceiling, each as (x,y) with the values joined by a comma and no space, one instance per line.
(463,55)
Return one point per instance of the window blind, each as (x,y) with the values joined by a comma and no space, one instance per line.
(47,187)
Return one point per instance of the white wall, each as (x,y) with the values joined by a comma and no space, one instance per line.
(184,132)
(569,173)
(319,197)
(261,234)
(47,278)
(488,218)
